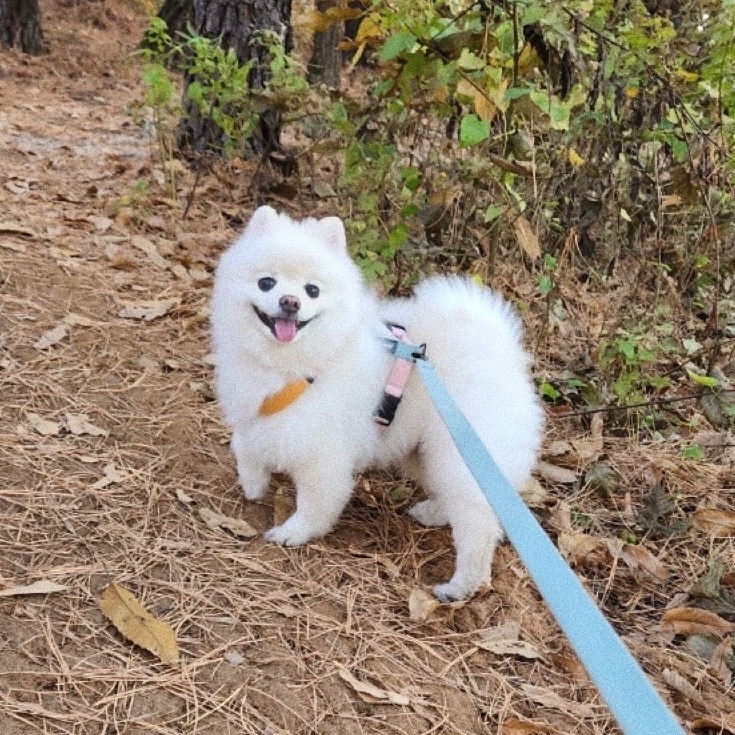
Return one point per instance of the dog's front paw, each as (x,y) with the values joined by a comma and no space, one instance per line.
(294,532)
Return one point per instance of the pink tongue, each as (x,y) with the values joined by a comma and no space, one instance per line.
(285,330)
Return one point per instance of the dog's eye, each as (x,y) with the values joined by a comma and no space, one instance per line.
(267,283)
(312,291)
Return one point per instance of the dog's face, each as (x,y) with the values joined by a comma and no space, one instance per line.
(289,282)
(286,305)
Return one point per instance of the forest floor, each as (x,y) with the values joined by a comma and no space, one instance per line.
(111,445)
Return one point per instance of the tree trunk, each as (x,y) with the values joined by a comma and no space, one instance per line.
(234,22)
(325,64)
(177,15)
(20,21)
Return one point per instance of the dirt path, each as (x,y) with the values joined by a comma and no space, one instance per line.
(110,444)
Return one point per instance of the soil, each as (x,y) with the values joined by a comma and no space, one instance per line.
(111,443)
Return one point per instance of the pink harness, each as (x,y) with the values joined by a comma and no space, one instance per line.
(397,381)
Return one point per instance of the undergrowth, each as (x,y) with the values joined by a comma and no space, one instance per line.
(592,146)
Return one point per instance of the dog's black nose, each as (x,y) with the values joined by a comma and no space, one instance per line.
(289,304)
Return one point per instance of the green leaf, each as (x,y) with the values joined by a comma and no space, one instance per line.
(396,45)
(693,451)
(473,130)
(493,212)
(706,380)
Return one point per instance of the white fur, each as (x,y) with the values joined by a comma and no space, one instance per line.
(473,338)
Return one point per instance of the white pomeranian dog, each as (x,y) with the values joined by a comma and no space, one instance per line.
(302,366)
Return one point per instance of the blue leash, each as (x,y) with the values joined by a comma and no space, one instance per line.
(629,694)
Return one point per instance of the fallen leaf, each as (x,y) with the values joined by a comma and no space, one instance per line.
(526,237)
(147,311)
(508,647)
(182,497)
(579,548)
(602,478)
(526,727)
(590,448)
(111,476)
(637,557)
(78,424)
(534,494)
(718,523)
(77,320)
(548,698)
(144,244)
(52,337)
(682,685)
(421,604)
(15,247)
(553,473)
(42,587)
(13,228)
(217,521)
(371,693)
(234,658)
(44,426)
(723,725)
(136,624)
(695,621)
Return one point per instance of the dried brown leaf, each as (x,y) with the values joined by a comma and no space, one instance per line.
(578,548)
(515,726)
(136,624)
(52,337)
(41,587)
(370,693)
(719,523)
(147,311)
(78,424)
(526,237)
(554,473)
(218,522)
(146,246)
(421,604)
(548,698)
(637,558)
(44,426)
(693,620)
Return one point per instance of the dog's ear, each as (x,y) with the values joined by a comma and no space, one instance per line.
(263,219)
(332,231)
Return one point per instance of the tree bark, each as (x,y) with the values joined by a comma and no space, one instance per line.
(177,15)
(234,22)
(20,22)
(325,64)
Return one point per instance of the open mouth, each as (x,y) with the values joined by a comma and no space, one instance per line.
(283,327)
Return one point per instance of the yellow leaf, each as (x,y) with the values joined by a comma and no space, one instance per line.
(575,159)
(484,106)
(369,30)
(632,92)
(317,21)
(686,76)
(136,624)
